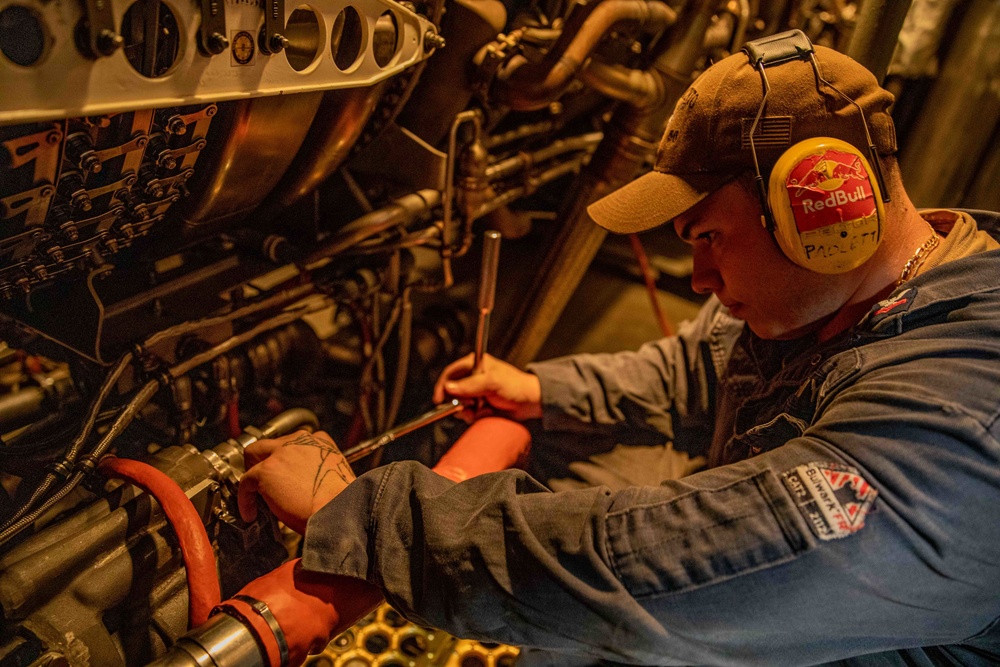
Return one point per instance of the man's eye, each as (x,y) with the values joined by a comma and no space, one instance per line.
(708,237)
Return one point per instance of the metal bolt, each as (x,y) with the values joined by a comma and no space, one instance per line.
(70,231)
(53,137)
(277,43)
(217,43)
(176,125)
(108,41)
(166,160)
(432,41)
(90,162)
(81,200)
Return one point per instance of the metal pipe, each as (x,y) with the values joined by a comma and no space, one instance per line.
(525,87)
(400,212)
(221,642)
(874,38)
(629,143)
(960,116)
(516,163)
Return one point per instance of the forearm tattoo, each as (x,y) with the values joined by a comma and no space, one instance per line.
(326,449)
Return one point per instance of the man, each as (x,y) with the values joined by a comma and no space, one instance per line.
(842,382)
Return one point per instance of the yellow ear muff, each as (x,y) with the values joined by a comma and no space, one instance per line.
(826,205)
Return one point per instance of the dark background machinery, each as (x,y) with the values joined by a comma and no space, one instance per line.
(217,221)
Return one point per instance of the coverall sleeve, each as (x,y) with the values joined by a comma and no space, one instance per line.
(664,387)
(873,530)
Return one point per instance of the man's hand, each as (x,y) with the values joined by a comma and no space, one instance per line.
(296,475)
(509,391)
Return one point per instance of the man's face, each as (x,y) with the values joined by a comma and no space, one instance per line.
(739,261)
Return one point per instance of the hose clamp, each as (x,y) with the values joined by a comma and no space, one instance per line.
(264,612)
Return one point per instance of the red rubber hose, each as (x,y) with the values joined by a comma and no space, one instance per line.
(650,281)
(196,549)
(488,445)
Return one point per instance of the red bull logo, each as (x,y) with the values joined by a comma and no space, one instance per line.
(828,189)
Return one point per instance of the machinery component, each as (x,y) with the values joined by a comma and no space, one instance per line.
(212,38)
(91,582)
(115,86)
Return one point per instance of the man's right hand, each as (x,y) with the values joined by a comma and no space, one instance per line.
(509,391)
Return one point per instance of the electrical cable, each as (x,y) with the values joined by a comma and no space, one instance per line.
(72,452)
(87,462)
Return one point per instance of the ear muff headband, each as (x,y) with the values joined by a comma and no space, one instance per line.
(826,205)
(800,233)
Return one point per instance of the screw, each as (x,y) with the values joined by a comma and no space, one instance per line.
(53,137)
(432,41)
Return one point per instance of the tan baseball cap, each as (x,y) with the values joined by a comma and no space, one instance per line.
(706,142)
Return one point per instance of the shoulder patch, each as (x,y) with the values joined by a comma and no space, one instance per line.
(833,498)
(898,303)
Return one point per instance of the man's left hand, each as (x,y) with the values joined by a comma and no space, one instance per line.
(296,475)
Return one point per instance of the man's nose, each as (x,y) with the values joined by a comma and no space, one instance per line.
(705,278)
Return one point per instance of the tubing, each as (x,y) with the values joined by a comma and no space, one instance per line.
(204,592)
(532,86)
(488,445)
(650,282)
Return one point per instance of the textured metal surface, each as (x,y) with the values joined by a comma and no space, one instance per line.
(313,62)
(385,639)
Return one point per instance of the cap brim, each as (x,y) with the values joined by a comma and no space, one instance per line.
(653,199)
